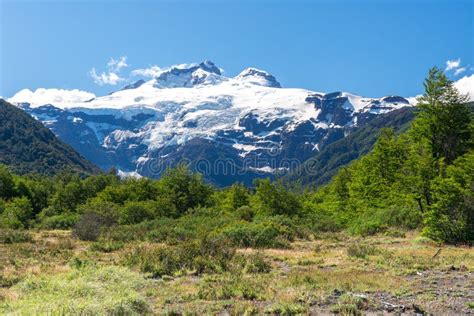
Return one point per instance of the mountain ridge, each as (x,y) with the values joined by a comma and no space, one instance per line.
(265,128)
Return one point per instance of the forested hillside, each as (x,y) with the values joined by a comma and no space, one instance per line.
(26,146)
(422,178)
(321,168)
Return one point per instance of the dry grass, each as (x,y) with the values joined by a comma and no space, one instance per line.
(310,276)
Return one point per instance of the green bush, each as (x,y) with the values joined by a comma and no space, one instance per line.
(208,255)
(451,216)
(156,262)
(90,226)
(231,286)
(134,212)
(286,309)
(103,245)
(17,214)
(7,186)
(257,235)
(62,221)
(12,236)
(184,190)
(256,263)
(124,233)
(274,199)
(245,213)
(360,250)
(375,221)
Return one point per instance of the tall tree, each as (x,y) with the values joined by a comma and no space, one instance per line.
(444,120)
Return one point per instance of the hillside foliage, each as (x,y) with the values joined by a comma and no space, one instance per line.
(420,179)
(26,146)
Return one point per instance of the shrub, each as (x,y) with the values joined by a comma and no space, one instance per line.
(156,262)
(285,309)
(350,305)
(10,236)
(134,212)
(124,233)
(367,227)
(274,199)
(361,250)
(90,225)
(257,264)
(210,255)
(230,286)
(257,235)
(7,185)
(450,218)
(376,221)
(108,211)
(232,198)
(62,221)
(17,213)
(79,263)
(395,233)
(245,213)
(103,245)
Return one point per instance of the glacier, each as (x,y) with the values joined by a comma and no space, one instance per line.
(194,113)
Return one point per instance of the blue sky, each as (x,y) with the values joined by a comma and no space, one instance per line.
(371,48)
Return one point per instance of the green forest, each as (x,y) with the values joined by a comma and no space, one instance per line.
(423,178)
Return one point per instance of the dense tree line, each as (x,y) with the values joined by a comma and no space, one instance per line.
(27,146)
(423,178)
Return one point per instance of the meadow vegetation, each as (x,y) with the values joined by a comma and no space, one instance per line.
(399,217)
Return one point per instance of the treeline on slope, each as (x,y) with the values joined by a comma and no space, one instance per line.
(421,179)
(26,146)
(324,165)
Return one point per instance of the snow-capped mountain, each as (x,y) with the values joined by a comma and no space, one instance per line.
(229,128)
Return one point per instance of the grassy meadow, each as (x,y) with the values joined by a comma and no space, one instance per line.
(51,272)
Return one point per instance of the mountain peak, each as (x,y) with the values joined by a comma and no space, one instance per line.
(134,85)
(259,77)
(209,66)
(189,75)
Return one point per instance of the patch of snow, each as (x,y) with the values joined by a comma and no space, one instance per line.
(266,169)
(128,174)
(244,148)
(59,97)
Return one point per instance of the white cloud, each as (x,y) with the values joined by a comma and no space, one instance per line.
(104,78)
(154,71)
(150,72)
(459,71)
(465,85)
(58,97)
(117,65)
(111,77)
(453,64)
